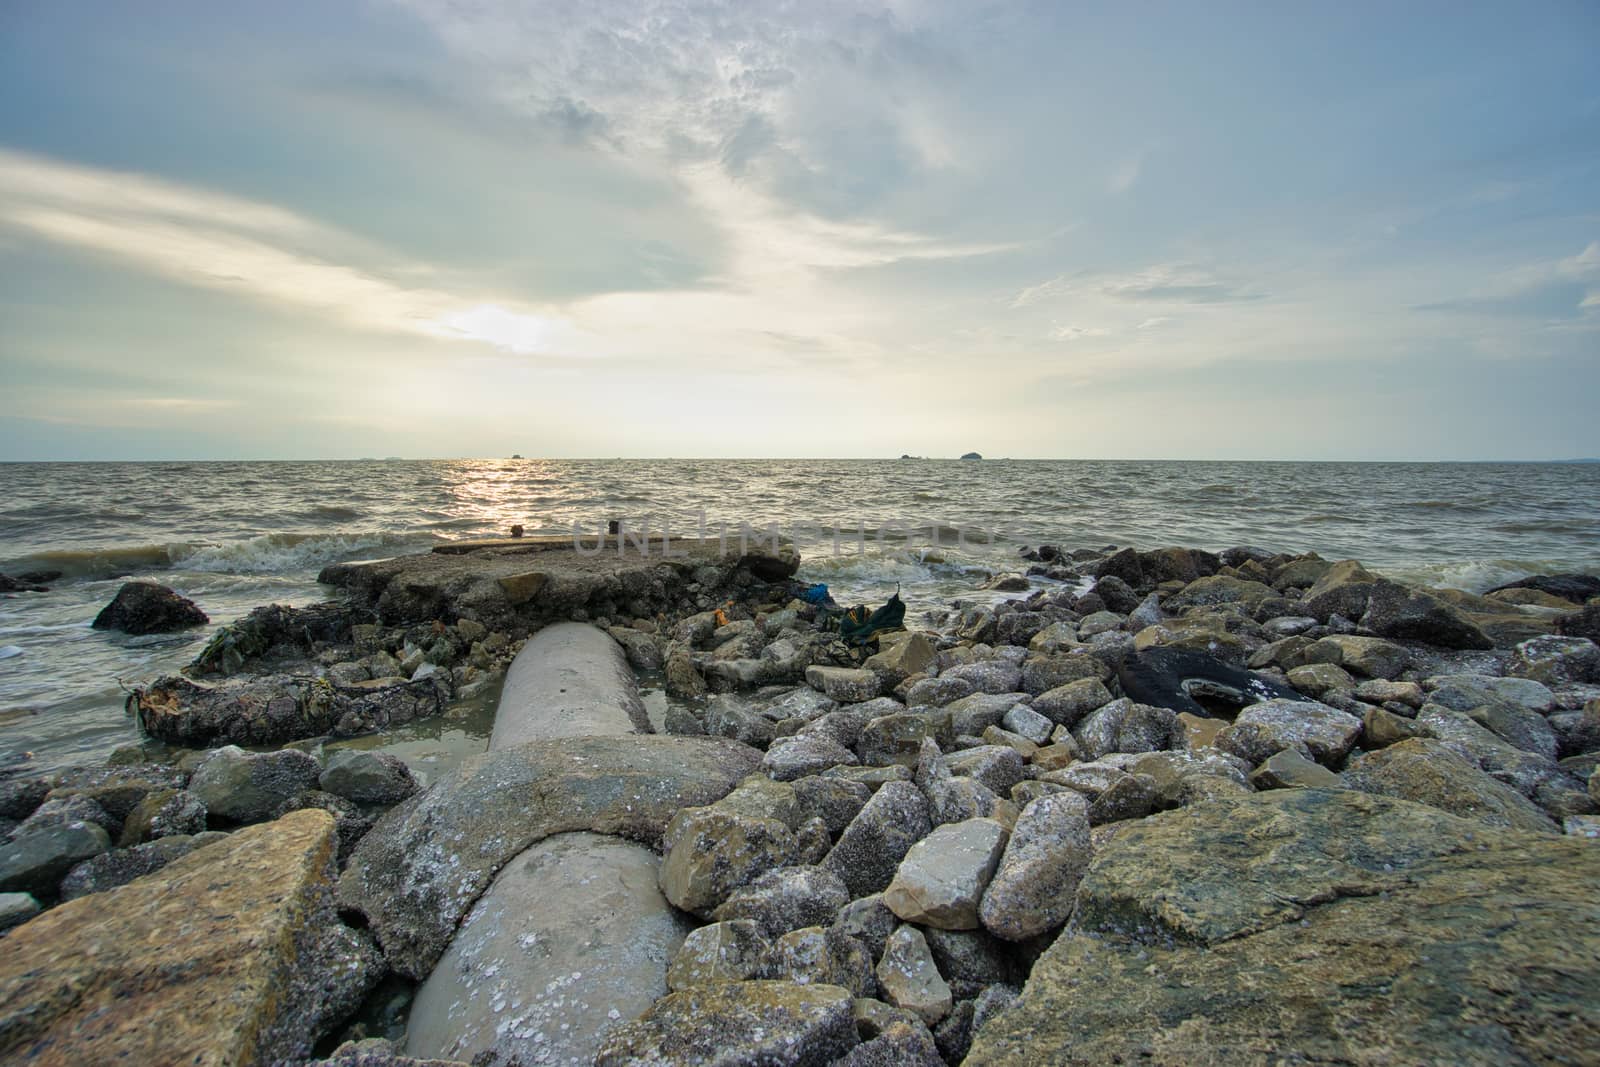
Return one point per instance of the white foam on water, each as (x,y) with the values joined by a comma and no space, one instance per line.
(1472,575)
(288,553)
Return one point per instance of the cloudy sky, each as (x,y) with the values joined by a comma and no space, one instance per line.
(597,228)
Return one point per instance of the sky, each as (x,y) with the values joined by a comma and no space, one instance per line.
(442,228)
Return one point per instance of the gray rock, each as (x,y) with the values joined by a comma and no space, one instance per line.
(1028,723)
(367,777)
(1290,770)
(1042,673)
(164,813)
(16,909)
(989,677)
(822,956)
(971,960)
(1034,886)
(62,811)
(937,692)
(977,712)
(1113,794)
(710,852)
(1370,657)
(1555,660)
(893,739)
(1262,730)
(731,717)
(20,796)
(730,951)
(1123,726)
(761,797)
(1068,704)
(942,878)
(1395,611)
(910,979)
(421,867)
(900,1044)
(571,937)
(803,754)
(996,766)
(738,1024)
(240,787)
(836,801)
(868,920)
(786,899)
(1523,771)
(1463,692)
(121,866)
(35,862)
(877,839)
(844,684)
(148,608)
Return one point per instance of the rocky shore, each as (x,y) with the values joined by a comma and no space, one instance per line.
(1160,806)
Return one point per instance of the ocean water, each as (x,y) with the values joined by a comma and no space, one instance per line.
(235,535)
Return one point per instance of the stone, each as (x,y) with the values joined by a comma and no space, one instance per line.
(1428,772)
(240,787)
(1395,611)
(937,692)
(1584,622)
(36,862)
(1044,673)
(1218,589)
(121,866)
(738,1024)
(899,1044)
(16,909)
(1380,728)
(1264,729)
(870,849)
(730,951)
(147,608)
(1271,922)
(1123,726)
(62,811)
(367,777)
(901,656)
(844,684)
(1370,657)
(1556,660)
(1172,771)
(868,920)
(910,979)
(1343,589)
(823,955)
(973,714)
(804,755)
(996,766)
(710,852)
(730,717)
(1523,771)
(942,878)
(418,871)
(20,796)
(1199,733)
(1463,692)
(836,801)
(570,937)
(1290,770)
(992,676)
(164,813)
(232,954)
(1026,722)
(1033,887)
(1113,794)
(1381,691)
(1315,679)
(786,899)
(893,739)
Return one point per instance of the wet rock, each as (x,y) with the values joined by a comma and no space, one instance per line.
(732,718)
(942,878)
(738,1024)
(570,938)
(1034,885)
(910,979)
(1218,589)
(1262,730)
(421,867)
(19,796)
(1584,622)
(35,862)
(277,708)
(241,787)
(900,656)
(1327,906)
(1123,726)
(59,812)
(148,608)
(1428,772)
(786,899)
(970,960)
(953,1035)
(868,920)
(367,777)
(870,849)
(710,852)
(1395,611)
(253,964)
(1522,770)
(730,951)
(1556,660)
(844,684)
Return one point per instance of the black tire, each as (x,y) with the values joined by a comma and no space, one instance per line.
(1168,678)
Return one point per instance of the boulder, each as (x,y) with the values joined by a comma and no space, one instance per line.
(1343,589)
(367,777)
(1429,772)
(1556,660)
(1256,930)
(571,937)
(238,786)
(164,813)
(942,878)
(16,909)
(1068,704)
(822,955)
(870,849)
(121,866)
(36,862)
(1371,657)
(421,867)
(733,1024)
(786,899)
(729,951)
(1033,888)
(910,979)
(893,739)
(803,755)
(232,954)
(845,684)
(1123,726)
(148,608)
(1395,611)
(1264,729)
(710,852)
(1290,770)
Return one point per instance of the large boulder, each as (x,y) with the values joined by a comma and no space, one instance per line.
(1034,886)
(1317,926)
(1395,611)
(239,786)
(942,878)
(426,861)
(571,937)
(733,1024)
(1429,772)
(870,849)
(148,608)
(1265,729)
(232,954)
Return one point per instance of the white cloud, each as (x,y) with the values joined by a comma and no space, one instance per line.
(1125,175)
(209,240)
(1069,332)
(1153,322)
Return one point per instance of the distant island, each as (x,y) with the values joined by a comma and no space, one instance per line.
(972,455)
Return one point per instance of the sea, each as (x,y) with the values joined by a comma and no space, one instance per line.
(234,535)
